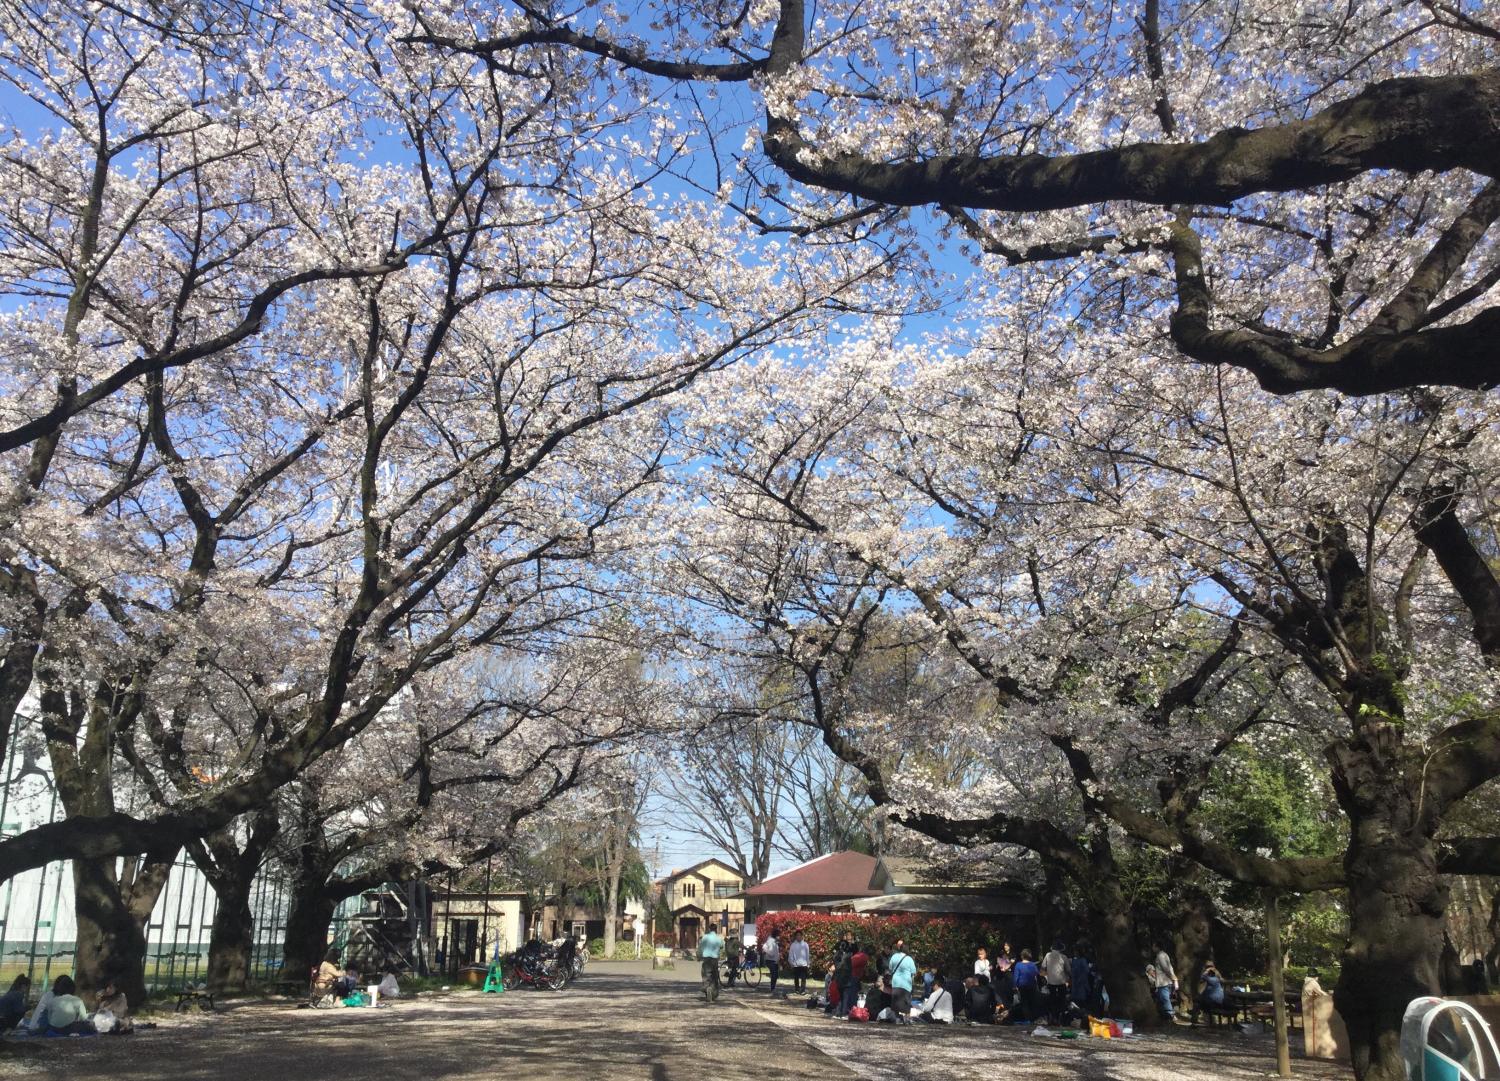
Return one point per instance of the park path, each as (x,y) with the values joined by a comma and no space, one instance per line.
(618,1023)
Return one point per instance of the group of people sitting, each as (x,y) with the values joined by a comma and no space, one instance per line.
(332,978)
(1056,989)
(888,979)
(61,1012)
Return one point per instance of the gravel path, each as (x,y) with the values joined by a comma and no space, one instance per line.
(621,1022)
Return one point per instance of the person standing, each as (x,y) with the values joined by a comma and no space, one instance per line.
(1163,982)
(770,952)
(710,950)
(903,969)
(859,963)
(1028,993)
(982,966)
(799,956)
(1055,973)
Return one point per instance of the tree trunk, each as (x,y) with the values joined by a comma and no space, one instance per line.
(1122,966)
(1451,978)
(1192,929)
(611,910)
(232,938)
(231,871)
(1120,955)
(1396,903)
(111,912)
(307,921)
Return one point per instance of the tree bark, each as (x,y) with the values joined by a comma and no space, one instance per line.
(1492,955)
(307,920)
(231,871)
(1119,951)
(1122,961)
(111,912)
(1192,928)
(232,938)
(1396,901)
(611,908)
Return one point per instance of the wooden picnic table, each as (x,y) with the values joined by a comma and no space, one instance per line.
(1260,1006)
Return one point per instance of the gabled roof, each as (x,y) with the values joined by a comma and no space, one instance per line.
(838,874)
(695,868)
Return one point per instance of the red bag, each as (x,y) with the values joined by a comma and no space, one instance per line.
(859,1013)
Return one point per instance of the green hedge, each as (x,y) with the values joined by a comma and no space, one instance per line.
(624,951)
(941,942)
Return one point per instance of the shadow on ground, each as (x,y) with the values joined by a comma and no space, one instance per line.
(609,1025)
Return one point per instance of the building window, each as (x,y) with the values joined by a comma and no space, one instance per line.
(690,889)
(726,889)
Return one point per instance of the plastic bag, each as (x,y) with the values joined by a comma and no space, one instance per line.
(859,1013)
(104,1020)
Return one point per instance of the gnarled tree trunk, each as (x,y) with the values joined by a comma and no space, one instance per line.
(231,871)
(1396,899)
(307,922)
(1121,954)
(1192,926)
(111,910)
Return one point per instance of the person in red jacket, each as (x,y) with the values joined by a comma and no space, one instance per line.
(859,963)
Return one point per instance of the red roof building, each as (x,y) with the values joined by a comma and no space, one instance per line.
(835,876)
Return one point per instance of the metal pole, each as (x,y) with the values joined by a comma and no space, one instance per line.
(1278,986)
(10,768)
(52,927)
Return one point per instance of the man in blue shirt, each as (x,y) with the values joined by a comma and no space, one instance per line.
(710,949)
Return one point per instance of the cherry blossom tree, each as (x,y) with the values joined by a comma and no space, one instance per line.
(1142,612)
(234,565)
(1065,132)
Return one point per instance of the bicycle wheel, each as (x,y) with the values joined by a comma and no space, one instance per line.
(751,975)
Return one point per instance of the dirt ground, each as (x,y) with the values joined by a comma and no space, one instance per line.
(621,1022)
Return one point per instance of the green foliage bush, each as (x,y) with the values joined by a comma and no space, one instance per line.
(624,951)
(940,942)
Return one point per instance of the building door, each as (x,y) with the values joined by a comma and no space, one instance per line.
(687,933)
(464,935)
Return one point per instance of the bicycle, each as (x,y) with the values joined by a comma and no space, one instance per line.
(748,970)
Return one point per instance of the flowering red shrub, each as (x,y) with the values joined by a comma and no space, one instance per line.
(942,942)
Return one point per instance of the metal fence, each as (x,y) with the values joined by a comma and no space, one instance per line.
(37,928)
